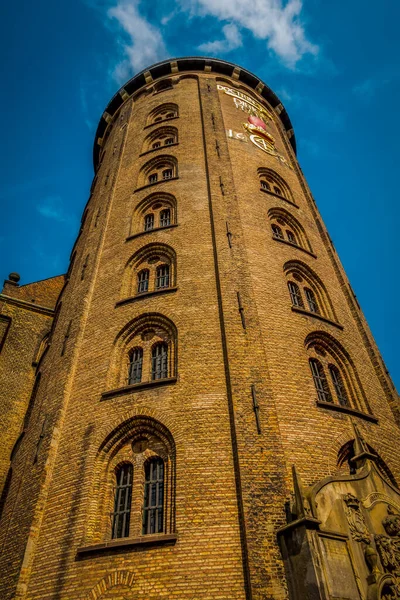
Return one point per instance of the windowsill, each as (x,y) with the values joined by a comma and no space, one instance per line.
(161,122)
(145,540)
(347,410)
(308,313)
(146,295)
(280,197)
(160,148)
(155,183)
(136,387)
(135,235)
(294,246)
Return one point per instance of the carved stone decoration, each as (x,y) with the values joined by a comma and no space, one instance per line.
(355,519)
(388,547)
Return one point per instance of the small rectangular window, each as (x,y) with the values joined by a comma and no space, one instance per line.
(149,222)
(153,178)
(165,217)
(122,502)
(167,174)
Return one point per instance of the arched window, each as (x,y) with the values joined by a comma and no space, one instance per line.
(135,366)
(162,136)
(163,113)
(295,294)
(159,361)
(294,232)
(273,183)
(342,386)
(317,300)
(152,268)
(162,277)
(134,482)
(143,281)
(311,300)
(165,217)
(338,385)
(149,222)
(153,504)
(122,501)
(162,86)
(320,381)
(277,231)
(161,205)
(346,453)
(158,169)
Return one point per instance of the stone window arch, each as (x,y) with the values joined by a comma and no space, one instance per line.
(291,230)
(164,112)
(132,447)
(144,333)
(41,349)
(313,294)
(160,138)
(272,183)
(151,268)
(163,86)
(335,377)
(158,170)
(159,209)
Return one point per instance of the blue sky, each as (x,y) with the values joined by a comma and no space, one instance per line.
(335,66)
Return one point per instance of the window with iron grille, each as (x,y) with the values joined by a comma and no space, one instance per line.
(153,178)
(169,141)
(320,381)
(149,222)
(158,119)
(122,502)
(170,115)
(265,185)
(143,281)
(290,236)
(338,385)
(311,301)
(295,294)
(277,190)
(165,217)
(277,231)
(135,366)
(167,174)
(153,505)
(162,276)
(159,361)
(156,145)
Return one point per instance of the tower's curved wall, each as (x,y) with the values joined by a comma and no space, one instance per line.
(178,339)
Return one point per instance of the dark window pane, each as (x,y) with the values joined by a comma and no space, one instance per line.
(143,281)
(290,236)
(167,174)
(162,277)
(338,385)
(122,502)
(320,381)
(277,232)
(265,185)
(295,294)
(156,145)
(135,366)
(165,217)
(311,301)
(153,505)
(153,178)
(148,222)
(159,361)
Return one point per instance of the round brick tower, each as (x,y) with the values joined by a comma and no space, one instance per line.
(205,343)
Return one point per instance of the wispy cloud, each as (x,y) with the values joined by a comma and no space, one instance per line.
(232,40)
(146,42)
(52,207)
(271,20)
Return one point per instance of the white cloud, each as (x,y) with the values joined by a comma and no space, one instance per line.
(147,45)
(52,207)
(269,20)
(232,39)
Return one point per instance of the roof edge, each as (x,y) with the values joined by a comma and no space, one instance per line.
(180,65)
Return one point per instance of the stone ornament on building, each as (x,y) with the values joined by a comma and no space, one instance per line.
(388,547)
(355,519)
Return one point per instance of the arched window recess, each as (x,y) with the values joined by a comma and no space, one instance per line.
(288,230)
(335,377)
(164,112)
(154,213)
(162,137)
(158,170)
(272,183)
